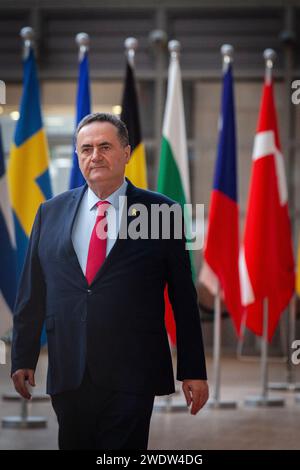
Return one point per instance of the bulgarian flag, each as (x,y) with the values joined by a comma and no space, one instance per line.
(173,175)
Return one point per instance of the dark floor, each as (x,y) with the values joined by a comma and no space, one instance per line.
(243,428)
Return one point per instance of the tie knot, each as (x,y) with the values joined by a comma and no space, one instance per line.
(100,203)
(102,207)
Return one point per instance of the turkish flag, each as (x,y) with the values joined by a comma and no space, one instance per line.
(266,258)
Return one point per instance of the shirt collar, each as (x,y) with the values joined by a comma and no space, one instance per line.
(112,198)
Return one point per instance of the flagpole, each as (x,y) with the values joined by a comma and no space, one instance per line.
(216,402)
(264,351)
(24,421)
(217,346)
(290,385)
(263,399)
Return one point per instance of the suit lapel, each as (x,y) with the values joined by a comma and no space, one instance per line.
(71,211)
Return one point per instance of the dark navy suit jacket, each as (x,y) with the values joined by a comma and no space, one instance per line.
(115,326)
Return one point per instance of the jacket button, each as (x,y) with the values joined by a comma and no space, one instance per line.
(89,291)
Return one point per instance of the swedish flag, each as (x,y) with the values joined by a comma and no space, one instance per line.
(28,173)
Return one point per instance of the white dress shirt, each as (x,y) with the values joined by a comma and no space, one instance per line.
(86,218)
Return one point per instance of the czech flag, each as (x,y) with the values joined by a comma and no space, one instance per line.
(221,252)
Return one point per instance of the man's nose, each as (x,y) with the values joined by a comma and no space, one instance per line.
(96,153)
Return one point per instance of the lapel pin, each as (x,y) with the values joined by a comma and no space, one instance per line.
(133,212)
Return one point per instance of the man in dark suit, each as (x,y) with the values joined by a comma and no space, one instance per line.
(101,296)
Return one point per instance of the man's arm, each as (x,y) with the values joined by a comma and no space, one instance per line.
(29,315)
(191,367)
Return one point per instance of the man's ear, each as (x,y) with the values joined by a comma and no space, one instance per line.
(127,153)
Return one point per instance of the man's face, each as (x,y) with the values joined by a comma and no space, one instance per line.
(101,155)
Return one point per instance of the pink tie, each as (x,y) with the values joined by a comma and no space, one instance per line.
(98,242)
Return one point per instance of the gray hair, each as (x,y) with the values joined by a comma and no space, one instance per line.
(105,117)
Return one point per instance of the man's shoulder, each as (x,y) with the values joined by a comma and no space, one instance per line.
(62,198)
(153,197)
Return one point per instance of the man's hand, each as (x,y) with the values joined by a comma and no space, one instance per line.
(196,392)
(19,378)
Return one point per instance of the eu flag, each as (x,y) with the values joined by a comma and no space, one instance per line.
(83,108)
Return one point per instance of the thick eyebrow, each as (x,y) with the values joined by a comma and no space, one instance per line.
(83,146)
(86,146)
(105,143)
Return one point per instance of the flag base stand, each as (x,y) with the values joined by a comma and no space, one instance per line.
(168,406)
(284,386)
(260,400)
(290,384)
(263,400)
(24,421)
(30,422)
(172,408)
(16,397)
(215,404)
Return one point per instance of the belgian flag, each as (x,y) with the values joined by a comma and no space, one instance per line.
(136,169)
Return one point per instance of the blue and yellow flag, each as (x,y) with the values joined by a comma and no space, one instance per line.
(28,167)
(83,108)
